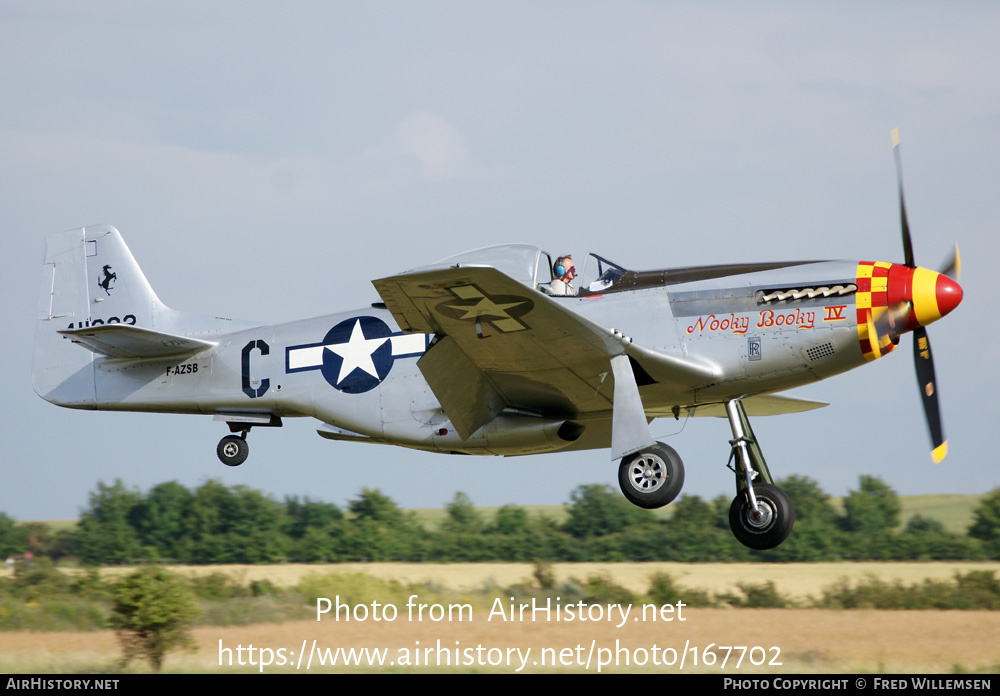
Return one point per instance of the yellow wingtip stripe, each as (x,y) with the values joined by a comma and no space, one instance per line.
(940,452)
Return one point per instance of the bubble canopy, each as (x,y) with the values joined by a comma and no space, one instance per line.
(532,266)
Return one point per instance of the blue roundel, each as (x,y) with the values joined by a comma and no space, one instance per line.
(357,354)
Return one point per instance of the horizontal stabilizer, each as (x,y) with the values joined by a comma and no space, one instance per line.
(134,343)
(332,432)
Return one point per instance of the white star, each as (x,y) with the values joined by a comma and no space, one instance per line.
(357,353)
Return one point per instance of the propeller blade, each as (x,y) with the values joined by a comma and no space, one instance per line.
(907,244)
(874,338)
(924,363)
(953,266)
(893,321)
(883,330)
(922,359)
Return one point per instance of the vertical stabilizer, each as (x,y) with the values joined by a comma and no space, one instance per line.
(89,278)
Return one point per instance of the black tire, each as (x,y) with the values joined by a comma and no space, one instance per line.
(233,450)
(777,517)
(653,477)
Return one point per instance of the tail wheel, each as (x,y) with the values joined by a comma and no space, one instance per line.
(769,525)
(233,450)
(652,478)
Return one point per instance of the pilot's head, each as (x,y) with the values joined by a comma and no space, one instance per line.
(564,267)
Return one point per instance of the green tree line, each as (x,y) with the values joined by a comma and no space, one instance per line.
(214,523)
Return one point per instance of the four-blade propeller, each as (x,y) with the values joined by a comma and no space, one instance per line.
(922,357)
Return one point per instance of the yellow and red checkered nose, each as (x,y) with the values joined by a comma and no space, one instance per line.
(886,290)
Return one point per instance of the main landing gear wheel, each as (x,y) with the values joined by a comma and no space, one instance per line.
(233,450)
(770,525)
(653,477)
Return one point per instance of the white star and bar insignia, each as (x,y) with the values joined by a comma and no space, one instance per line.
(362,362)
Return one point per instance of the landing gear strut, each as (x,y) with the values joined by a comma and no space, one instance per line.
(653,477)
(761,515)
(233,449)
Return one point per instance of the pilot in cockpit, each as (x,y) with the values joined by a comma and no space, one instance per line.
(565,272)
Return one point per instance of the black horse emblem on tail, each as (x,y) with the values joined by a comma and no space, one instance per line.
(109,278)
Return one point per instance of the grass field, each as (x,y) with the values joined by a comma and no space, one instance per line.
(802,640)
(796,580)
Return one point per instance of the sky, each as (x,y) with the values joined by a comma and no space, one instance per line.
(266,161)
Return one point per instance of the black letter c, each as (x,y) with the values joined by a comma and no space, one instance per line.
(264,383)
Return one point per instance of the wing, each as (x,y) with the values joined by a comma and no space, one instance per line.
(500,344)
(761,405)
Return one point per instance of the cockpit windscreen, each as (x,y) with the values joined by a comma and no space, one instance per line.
(599,274)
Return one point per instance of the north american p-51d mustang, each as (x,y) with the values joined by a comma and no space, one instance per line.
(471,355)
